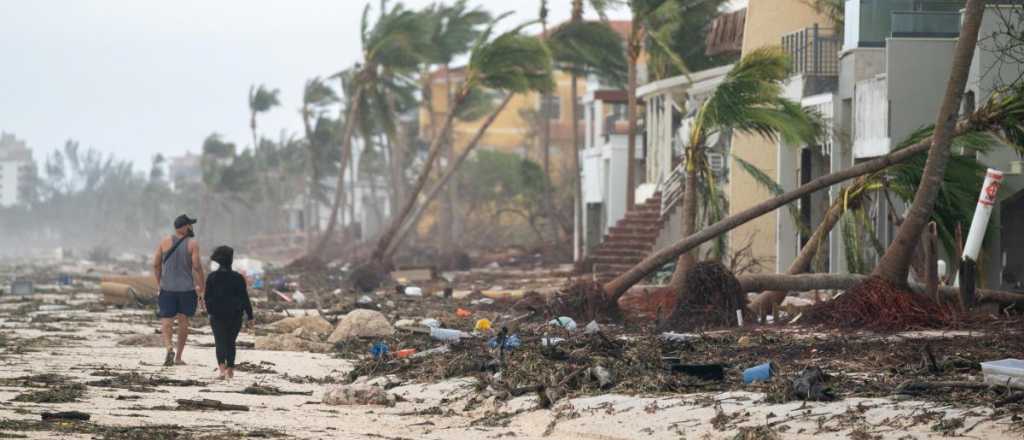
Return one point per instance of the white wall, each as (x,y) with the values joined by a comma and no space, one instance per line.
(9,176)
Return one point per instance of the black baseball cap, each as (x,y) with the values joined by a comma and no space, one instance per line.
(183,221)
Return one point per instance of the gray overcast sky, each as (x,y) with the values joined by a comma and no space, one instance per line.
(136,78)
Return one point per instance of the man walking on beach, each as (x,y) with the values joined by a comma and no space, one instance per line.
(179,273)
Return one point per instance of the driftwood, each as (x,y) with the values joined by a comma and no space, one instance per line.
(209,404)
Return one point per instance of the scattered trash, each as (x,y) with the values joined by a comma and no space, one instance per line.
(379,350)
(679,337)
(211,404)
(364,300)
(463,313)
(362,323)
(810,385)
(431,352)
(66,415)
(710,372)
(551,342)
(404,353)
(602,375)
(510,343)
(739,317)
(1005,372)
(760,373)
(358,395)
(447,334)
(281,295)
(299,297)
(564,322)
(413,291)
(430,322)
(482,325)
(404,323)
(482,302)
(592,328)
(413,275)
(744,342)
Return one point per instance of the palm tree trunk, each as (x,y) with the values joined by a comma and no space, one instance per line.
(687,260)
(617,287)
(449,173)
(339,190)
(397,154)
(314,176)
(895,264)
(448,217)
(632,115)
(380,253)
(578,206)
(802,263)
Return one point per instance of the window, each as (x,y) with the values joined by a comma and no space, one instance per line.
(552,107)
(579,110)
(619,112)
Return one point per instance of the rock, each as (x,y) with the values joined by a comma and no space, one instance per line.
(362,323)
(146,340)
(358,395)
(290,343)
(592,328)
(311,323)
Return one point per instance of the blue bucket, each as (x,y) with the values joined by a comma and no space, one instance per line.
(760,373)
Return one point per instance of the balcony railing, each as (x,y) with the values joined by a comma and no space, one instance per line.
(925,24)
(813,51)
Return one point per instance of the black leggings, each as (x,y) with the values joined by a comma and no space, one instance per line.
(225,332)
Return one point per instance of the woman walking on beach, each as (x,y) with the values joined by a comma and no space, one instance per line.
(226,301)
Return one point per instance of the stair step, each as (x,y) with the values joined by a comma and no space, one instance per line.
(612,268)
(618,251)
(627,261)
(634,229)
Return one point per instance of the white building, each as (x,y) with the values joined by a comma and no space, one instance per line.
(17,170)
(603,162)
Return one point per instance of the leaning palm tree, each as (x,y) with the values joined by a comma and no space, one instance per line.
(954,204)
(895,263)
(512,62)
(261,100)
(393,42)
(749,100)
(455,28)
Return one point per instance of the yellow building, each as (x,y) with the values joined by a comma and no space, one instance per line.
(517,128)
(767,21)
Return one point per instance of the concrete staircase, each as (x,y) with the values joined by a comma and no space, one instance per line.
(629,241)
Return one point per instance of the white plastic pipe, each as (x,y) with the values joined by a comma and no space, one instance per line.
(987,199)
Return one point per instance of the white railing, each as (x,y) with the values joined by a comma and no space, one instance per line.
(672,188)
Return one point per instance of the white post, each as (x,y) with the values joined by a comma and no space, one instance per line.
(987,198)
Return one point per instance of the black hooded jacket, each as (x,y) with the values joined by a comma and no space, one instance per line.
(226,295)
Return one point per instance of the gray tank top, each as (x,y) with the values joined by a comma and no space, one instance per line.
(176,276)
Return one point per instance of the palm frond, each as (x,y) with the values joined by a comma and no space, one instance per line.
(512,62)
(589,47)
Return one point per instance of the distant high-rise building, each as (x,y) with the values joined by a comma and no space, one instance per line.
(17,171)
(185,170)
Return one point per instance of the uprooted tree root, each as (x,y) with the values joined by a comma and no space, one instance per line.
(877,304)
(710,298)
(368,277)
(585,301)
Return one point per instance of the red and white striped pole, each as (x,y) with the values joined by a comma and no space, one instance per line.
(987,199)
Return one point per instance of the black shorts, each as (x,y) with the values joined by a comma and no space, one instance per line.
(177,303)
